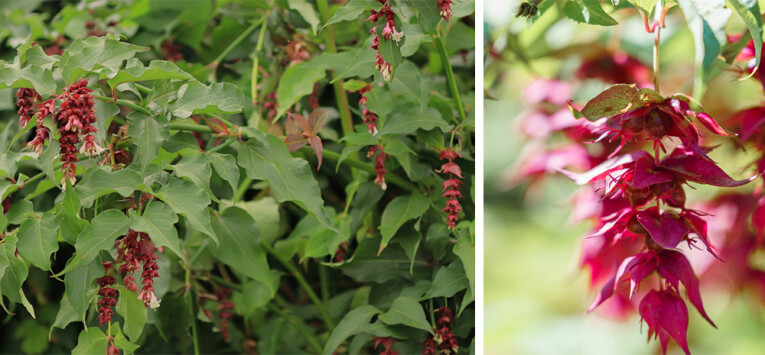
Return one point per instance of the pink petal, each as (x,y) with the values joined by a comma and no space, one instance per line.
(601,171)
(710,124)
(666,230)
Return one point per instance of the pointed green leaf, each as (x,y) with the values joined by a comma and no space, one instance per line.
(148,133)
(133,311)
(85,55)
(350,11)
(296,82)
(13,273)
(38,239)
(412,120)
(103,181)
(448,281)
(406,311)
(749,10)
(465,250)
(397,212)
(645,5)
(225,166)
(428,14)
(196,168)
(353,323)
(240,245)
(99,235)
(267,158)
(187,199)
(66,314)
(195,98)
(588,11)
(610,102)
(158,221)
(158,69)
(706,19)
(307,11)
(80,284)
(31,76)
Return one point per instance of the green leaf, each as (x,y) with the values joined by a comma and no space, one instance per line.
(85,55)
(610,102)
(79,284)
(407,84)
(391,264)
(307,11)
(413,119)
(148,133)
(46,160)
(196,168)
(350,11)
(102,181)
(104,110)
(296,82)
(706,19)
(31,76)
(645,5)
(265,212)
(66,314)
(409,239)
(406,311)
(99,235)
(158,221)
(133,311)
(68,217)
(225,166)
(267,158)
(91,341)
(157,69)
(397,212)
(391,53)
(588,11)
(38,239)
(240,245)
(428,14)
(353,323)
(448,281)
(185,198)
(749,10)
(465,250)
(220,98)
(13,273)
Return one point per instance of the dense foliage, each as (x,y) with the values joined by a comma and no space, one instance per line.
(233,176)
(639,147)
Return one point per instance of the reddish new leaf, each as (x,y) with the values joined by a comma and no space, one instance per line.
(666,316)
(675,266)
(690,165)
(666,229)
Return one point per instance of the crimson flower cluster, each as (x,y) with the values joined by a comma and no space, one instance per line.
(387,343)
(379,155)
(224,310)
(445,9)
(444,341)
(108,295)
(26,99)
(171,51)
(369,117)
(451,186)
(74,118)
(133,250)
(388,32)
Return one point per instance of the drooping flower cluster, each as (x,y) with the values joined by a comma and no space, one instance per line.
(171,51)
(136,252)
(108,295)
(369,117)
(387,343)
(445,9)
(377,152)
(25,100)
(224,309)
(444,341)
(388,32)
(638,232)
(73,118)
(451,186)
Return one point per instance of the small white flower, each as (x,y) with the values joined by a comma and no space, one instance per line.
(397,36)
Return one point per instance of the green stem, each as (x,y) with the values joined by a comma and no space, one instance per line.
(299,325)
(194,336)
(192,127)
(243,186)
(15,188)
(304,284)
(235,43)
(358,164)
(123,103)
(449,75)
(340,93)
(324,280)
(256,64)
(222,145)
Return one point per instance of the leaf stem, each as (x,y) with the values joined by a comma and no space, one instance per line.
(358,164)
(127,104)
(656,41)
(304,284)
(233,45)
(256,63)
(449,75)
(340,94)
(190,304)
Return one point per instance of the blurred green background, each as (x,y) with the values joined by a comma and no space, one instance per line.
(535,295)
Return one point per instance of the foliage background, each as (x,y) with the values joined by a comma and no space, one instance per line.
(292,53)
(536,296)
